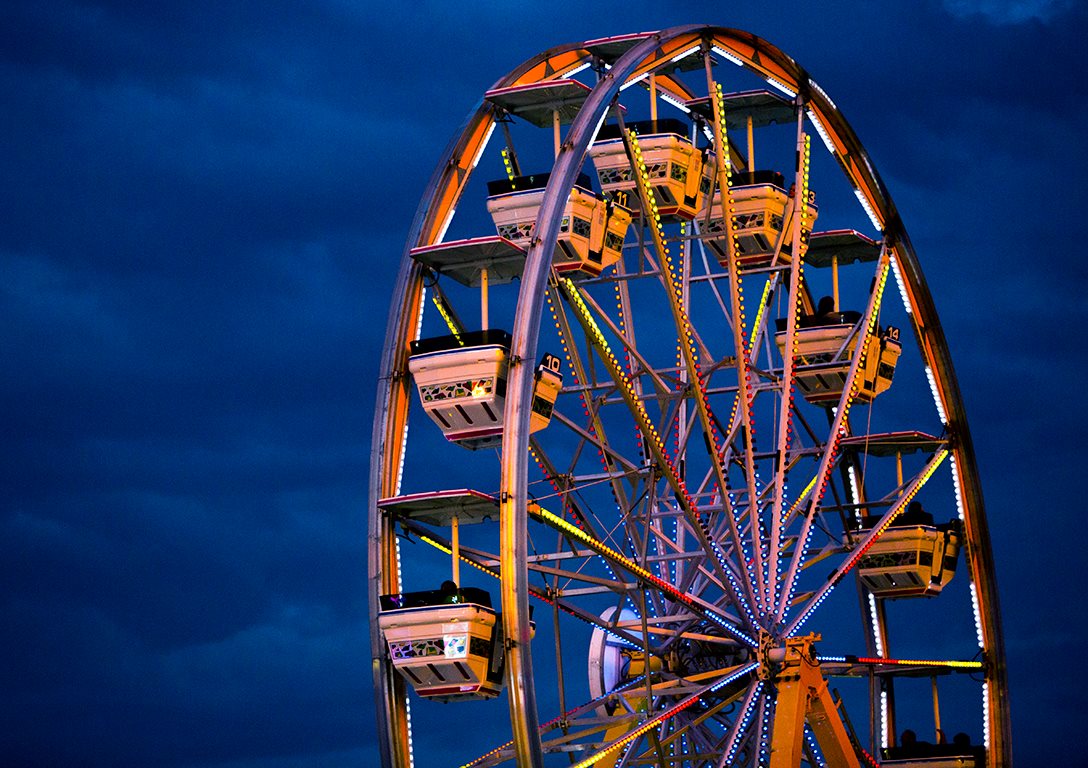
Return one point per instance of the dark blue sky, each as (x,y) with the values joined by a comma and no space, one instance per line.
(202,211)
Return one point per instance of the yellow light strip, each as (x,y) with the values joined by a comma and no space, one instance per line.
(544,727)
(779,515)
(443,310)
(759,313)
(506,162)
(638,571)
(870,539)
(897,510)
(605,551)
(448,551)
(745,392)
(619,376)
(595,425)
(801,498)
(686,339)
(838,431)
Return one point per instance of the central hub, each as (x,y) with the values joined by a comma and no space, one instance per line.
(615,660)
(773,658)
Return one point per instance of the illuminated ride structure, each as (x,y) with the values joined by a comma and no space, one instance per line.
(666,429)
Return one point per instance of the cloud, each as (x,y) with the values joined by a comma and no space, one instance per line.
(1009,11)
(205,211)
(291,689)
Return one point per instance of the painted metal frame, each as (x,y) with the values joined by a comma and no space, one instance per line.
(440,198)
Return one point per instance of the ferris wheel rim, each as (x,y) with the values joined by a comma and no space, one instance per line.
(530,303)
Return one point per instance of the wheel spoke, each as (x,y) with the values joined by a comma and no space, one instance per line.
(863,546)
(656,721)
(838,430)
(786,409)
(706,611)
(733,741)
(651,435)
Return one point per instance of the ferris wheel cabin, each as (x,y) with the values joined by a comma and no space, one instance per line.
(913,558)
(446,642)
(762,222)
(678,174)
(826,345)
(827,338)
(592,230)
(461,377)
(461,380)
(443,642)
(763,208)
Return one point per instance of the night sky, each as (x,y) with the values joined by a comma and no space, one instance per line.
(202,211)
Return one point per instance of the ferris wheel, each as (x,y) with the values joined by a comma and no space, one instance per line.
(669,463)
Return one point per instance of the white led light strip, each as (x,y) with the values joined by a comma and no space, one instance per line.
(822,92)
(483,145)
(727,55)
(869,210)
(956,487)
(675,102)
(445,226)
(899,282)
(855,492)
(986,715)
(685,54)
(638,79)
(578,69)
(876,626)
(819,126)
(884,720)
(936,395)
(408,722)
(782,87)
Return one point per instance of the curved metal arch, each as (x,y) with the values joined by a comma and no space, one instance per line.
(515,445)
(393,392)
(437,205)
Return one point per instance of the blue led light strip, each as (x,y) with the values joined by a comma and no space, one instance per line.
(740,727)
(654,722)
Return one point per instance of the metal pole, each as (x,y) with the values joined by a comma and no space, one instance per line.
(515,446)
(483,299)
(555,130)
(751,147)
(455,548)
(653,97)
(834,273)
(936,713)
